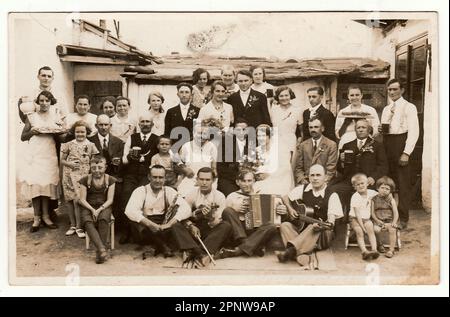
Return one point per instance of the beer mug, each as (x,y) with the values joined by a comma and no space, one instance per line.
(135,151)
(115,161)
(385,128)
(349,157)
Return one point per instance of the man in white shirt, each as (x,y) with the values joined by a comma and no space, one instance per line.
(148,209)
(249,242)
(45,76)
(399,142)
(327,206)
(206,222)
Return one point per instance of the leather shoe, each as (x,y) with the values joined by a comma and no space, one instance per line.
(34,229)
(101,257)
(50,225)
(226,253)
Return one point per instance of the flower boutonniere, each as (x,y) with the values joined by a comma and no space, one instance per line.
(192,114)
(251,100)
(321,149)
(367,148)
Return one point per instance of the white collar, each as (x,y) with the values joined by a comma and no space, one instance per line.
(244,92)
(314,109)
(364,140)
(399,101)
(318,140)
(101,137)
(315,193)
(185,106)
(144,135)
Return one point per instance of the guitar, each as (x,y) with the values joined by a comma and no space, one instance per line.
(305,214)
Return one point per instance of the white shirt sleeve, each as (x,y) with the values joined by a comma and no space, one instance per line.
(296,193)
(413,128)
(375,121)
(184,211)
(126,150)
(134,210)
(221,201)
(335,206)
(234,201)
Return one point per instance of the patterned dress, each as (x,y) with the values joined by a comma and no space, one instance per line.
(76,151)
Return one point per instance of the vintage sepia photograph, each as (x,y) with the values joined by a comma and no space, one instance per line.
(223,148)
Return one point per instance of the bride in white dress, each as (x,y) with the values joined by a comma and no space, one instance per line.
(274,174)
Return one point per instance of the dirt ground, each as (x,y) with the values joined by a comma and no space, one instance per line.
(48,257)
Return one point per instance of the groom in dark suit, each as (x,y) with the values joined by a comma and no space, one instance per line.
(181,116)
(247,103)
(316,109)
(233,147)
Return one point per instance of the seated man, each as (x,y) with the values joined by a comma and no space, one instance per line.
(137,153)
(316,150)
(327,207)
(206,222)
(147,210)
(250,242)
(362,155)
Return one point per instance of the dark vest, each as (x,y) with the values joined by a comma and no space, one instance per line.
(319,204)
(134,167)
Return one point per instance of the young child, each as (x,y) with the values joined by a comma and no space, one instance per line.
(75,159)
(385,213)
(360,212)
(96,198)
(166,158)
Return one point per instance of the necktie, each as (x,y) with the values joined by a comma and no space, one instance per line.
(314,146)
(392,112)
(105,145)
(360,144)
(144,139)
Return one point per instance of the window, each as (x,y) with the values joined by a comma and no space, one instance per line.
(410,69)
(97,91)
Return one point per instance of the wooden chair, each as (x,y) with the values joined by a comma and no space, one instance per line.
(350,232)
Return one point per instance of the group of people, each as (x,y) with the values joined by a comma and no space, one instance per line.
(183,179)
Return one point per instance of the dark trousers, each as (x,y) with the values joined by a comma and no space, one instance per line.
(394,146)
(99,237)
(226,186)
(252,240)
(177,236)
(214,238)
(117,210)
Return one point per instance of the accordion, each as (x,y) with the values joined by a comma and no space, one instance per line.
(262,210)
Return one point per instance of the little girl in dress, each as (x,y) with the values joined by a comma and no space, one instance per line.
(75,159)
